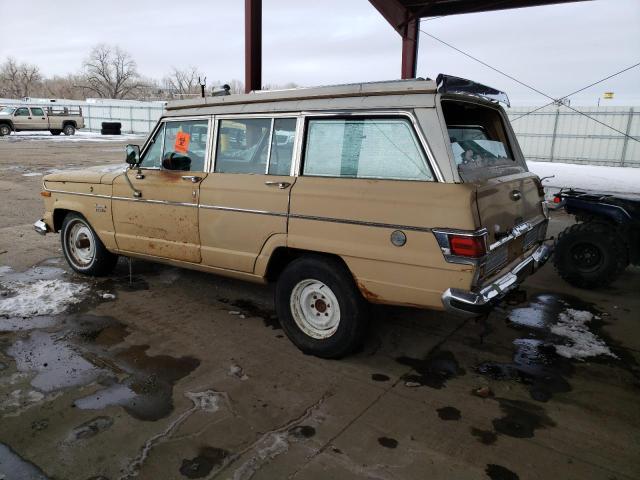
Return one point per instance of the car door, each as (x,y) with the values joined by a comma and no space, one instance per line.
(22,119)
(245,201)
(155,207)
(38,119)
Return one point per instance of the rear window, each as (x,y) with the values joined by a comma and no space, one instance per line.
(479,142)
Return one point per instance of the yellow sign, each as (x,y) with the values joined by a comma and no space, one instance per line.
(608,95)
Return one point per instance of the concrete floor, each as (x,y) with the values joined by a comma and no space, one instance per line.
(187,375)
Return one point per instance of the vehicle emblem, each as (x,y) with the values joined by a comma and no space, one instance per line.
(515,195)
(101,208)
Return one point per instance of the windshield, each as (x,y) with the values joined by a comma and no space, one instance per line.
(6,110)
(479,142)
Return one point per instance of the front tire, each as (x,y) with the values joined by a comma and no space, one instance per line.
(590,255)
(5,130)
(83,249)
(320,308)
(69,130)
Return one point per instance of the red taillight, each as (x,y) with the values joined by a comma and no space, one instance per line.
(557,199)
(466,246)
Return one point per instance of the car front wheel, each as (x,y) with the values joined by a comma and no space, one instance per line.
(5,130)
(320,308)
(82,248)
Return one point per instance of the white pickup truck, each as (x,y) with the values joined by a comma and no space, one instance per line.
(56,119)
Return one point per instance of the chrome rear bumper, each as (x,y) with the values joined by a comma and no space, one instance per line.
(473,304)
(41,227)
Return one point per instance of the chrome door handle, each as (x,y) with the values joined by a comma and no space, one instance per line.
(280,185)
(515,195)
(192,178)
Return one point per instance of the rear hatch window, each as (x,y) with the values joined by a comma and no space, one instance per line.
(479,142)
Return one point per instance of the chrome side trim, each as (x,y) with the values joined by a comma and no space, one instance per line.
(363,223)
(161,202)
(516,232)
(78,193)
(243,210)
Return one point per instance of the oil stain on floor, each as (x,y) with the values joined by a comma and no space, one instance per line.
(433,371)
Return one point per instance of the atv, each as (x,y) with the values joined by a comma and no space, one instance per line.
(595,251)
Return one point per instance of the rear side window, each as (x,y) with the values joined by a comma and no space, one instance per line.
(37,112)
(364,148)
(248,145)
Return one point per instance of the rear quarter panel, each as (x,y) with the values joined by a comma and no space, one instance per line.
(354,218)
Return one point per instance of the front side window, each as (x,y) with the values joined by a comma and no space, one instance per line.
(22,112)
(185,145)
(37,112)
(152,157)
(248,145)
(364,148)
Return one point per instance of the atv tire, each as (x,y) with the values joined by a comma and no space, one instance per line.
(590,255)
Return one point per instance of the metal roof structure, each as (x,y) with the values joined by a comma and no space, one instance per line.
(403,15)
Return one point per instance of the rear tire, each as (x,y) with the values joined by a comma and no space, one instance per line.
(320,308)
(5,130)
(69,130)
(83,249)
(590,255)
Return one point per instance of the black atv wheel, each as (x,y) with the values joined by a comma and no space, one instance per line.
(590,255)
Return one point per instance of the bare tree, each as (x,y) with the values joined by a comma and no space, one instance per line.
(18,80)
(110,72)
(183,82)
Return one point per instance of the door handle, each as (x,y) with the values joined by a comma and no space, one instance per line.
(280,185)
(192,178)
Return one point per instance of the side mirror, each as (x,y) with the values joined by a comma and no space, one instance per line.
(133,155)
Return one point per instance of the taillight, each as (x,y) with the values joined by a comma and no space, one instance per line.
(467,246)
(557,199)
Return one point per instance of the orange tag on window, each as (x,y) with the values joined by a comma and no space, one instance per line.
(182,142)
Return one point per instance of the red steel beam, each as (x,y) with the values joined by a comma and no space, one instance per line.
(407,26)
(252,45)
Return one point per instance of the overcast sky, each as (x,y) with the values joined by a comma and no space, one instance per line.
(557,49)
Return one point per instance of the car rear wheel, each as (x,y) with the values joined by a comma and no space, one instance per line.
(320,308)
(82,248)
(69,130)
(5,130)
(590,255)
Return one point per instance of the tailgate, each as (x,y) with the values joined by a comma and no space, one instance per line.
(506,202)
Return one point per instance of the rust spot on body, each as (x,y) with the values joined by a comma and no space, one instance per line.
(368,294)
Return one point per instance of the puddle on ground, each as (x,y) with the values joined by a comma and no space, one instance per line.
(147,393)
(448,413)
(14,467)
(388,442)
(302,431)
(250,309)
(536,365)
(379,377)
(498,472)
(486,437)
(433,371)
(520,419)
(200,466)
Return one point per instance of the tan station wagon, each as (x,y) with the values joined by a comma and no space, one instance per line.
(406,192)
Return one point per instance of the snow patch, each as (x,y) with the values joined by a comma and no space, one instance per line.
(42,297)
(572,325)
(620,180)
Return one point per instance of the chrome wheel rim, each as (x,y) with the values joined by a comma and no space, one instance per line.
(80,244)
(4,130)
(68,130)
(315,309)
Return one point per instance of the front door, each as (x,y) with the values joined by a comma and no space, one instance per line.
(22,119)
(157,212)
(245,201)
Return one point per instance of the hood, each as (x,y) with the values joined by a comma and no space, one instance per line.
(99,174)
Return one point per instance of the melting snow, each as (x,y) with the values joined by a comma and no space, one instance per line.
(572,325)
(42,297)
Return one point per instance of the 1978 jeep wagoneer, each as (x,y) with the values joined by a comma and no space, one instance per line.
(406,192)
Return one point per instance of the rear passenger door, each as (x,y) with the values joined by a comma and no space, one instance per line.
(38,119)
(244,202)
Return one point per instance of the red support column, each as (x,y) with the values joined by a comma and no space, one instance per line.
(410,48)
(252,45)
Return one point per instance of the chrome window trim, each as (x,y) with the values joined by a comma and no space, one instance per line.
(410,115)
(268,162)
(297,147)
